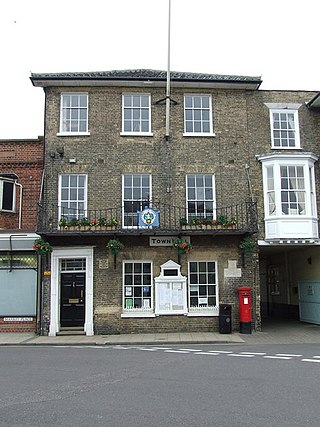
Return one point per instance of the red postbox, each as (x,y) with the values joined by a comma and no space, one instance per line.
(245,309)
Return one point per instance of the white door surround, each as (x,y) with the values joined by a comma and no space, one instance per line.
(63,253)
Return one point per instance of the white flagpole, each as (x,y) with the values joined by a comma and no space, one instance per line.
(168,79)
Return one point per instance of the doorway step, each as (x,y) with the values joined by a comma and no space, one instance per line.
(76,330)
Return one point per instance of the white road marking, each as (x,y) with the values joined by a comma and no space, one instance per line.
(208,353)
(278,357)
(162,348)
(255,354)
(241,355)
(289,355)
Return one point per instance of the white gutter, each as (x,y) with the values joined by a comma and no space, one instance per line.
(20,205)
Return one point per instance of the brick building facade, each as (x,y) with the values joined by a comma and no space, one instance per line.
(108,156)
(21,168)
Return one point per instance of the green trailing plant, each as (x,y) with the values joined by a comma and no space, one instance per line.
(42,247)
(85,222)
(183,221)
(102,222)
(222,220)
(232,221)
(63,223)
(113,222)
(195,221)
(248,244)
(115,246)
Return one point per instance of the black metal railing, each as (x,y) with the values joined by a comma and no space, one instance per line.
(241,218)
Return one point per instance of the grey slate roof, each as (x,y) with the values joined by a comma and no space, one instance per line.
(145,74)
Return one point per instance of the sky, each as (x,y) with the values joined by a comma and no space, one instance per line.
(274,39)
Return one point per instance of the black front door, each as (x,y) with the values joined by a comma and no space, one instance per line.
(72,299)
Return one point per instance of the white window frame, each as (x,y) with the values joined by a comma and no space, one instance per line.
(193,110)
(143,311)
(204,310)
(4,181)
(284,108)
(60,200)
(62,130)
(204,200)
(276,161)
(133,108)
(141,200)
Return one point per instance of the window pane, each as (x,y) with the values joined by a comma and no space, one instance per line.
(7,196)
(144,101)
(188,101)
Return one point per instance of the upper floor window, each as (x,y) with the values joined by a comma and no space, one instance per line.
(197,115)
(7,194)
(200,196)
(289,185)
(72,196)
(74,113)
(284,125)
(136,196)
(293,190)
(136,114)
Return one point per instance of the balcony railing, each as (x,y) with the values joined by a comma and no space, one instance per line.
(235,219)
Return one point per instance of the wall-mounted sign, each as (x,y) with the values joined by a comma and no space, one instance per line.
(165,240)
(148,218)
(18,319)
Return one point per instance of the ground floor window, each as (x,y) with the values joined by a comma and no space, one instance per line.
(144,294)
(18,292)
(202,285)
(137,280)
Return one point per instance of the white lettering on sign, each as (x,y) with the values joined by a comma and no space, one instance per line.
(18,319)
(164,240)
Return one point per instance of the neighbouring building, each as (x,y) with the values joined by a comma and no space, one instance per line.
(21,167)
(288,203)
(160,205)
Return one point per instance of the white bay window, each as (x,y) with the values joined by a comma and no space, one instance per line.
(289,196)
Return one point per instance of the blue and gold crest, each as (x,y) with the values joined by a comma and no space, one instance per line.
(148,218)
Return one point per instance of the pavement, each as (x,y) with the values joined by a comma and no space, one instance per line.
(273,332)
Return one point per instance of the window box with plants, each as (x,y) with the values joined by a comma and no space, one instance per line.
(195,223)
(85,224)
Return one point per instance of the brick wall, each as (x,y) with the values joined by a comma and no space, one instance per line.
(23,158)
(17,326)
